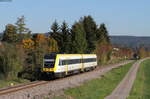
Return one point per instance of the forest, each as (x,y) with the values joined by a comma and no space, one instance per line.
(21,51)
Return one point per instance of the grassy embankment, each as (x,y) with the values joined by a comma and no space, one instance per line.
(7,83)
(100,87)
(141,87)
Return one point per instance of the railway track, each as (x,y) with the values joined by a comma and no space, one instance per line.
(15,88)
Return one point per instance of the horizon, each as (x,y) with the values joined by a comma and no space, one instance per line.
(121,17)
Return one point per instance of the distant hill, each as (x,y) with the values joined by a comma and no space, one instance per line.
(130,41)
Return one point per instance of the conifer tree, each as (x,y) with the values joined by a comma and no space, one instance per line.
(20,24)
(66,36)
(102,34)
(55,33)
(24,33)
(90,29)
(79,38)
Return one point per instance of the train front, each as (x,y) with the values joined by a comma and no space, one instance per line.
(49,63)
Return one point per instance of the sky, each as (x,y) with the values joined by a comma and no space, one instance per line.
(122,17)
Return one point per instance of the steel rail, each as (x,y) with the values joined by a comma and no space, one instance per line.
(11,89)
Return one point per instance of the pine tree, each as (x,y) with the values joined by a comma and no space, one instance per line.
(66,36)
(55,33)
(21,25)
(79,44)
(102,34)
(24,33)
(90,29)
(10,34)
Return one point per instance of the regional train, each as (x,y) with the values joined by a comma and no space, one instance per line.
(61,65)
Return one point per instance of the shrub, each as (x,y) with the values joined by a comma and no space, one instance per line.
(11,61)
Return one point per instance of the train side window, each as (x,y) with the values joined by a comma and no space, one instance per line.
(73,61)
(60,62)
(89,60)
(64,62)
(76,61)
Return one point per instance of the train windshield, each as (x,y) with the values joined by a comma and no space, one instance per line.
(49,60)
(49,64)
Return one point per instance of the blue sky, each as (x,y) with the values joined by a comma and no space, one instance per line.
(122,17)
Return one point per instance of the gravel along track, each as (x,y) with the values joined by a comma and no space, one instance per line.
(38,92)
(123,89)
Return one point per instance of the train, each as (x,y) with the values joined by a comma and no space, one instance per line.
(135,56)
(59,65)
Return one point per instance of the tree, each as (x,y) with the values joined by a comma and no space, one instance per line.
(20,24)
(52,45)
(28,44)
(23,32)
(90,30)
(40,49)
(142,52)
(11,61)
(102,34)
(10,34)
(103,48)
(29,47)
(55,33)
(103,51)
(66,38)
(79,38)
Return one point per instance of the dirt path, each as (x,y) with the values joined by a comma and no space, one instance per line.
(123,89)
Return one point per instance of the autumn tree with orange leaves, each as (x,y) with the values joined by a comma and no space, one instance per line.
(38,46)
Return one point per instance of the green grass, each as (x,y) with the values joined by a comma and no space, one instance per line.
(7,83)
(100,87)
(141,87)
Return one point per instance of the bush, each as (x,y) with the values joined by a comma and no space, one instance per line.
(30,74)
(11,61)
(103,51)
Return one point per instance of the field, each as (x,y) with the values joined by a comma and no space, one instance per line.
(98,88)
(141,88)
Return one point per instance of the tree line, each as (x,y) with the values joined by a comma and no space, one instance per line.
(82,37)
(21,51)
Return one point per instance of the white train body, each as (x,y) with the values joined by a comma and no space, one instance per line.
(64,64)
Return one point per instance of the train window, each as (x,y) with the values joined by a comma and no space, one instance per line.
(89,60)
(60,62)
(64,62)
(49,64)
(76,61)
(71,61)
